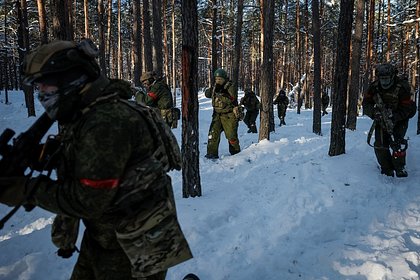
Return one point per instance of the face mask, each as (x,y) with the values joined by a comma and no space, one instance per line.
(386,81)
(50,102)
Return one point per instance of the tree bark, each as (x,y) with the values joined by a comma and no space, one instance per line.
(191,185)
(316,25)
(42,18)
(339,96)
(267,69)
(354,88)
(157,36)
(147,37)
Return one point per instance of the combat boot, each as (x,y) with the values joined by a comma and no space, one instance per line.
(401,172)
(387,172)
(283,122)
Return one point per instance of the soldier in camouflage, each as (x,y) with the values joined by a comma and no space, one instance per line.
(224,100)
(282,102)
(158,95)
(393,94)
(252,106)
(109,174)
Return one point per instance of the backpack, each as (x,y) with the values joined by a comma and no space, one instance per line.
(168,151)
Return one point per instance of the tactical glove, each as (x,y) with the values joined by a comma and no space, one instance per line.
(16,190)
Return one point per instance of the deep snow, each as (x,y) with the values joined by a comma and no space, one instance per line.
(280,209)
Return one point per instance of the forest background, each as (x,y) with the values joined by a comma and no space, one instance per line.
(308,48)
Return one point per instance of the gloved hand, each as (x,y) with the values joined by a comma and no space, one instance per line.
(377,116)
(15,190)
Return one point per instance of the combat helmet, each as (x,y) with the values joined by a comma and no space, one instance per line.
(386,74)
(220,73)
(57,57)
(147,76)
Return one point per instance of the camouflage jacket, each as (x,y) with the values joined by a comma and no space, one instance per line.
(108,177)
(281,100)
(159,96)
(251,102)
(223,98)
(397,98)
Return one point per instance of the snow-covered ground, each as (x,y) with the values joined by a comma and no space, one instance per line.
(281,209)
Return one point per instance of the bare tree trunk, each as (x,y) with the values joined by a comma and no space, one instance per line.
(86,12)
(267,69)
(191,185)
(120,51)
(23,41)
(173,52)
(137,42)
(165,42)
(214,39)
(157,36)
(101,35)
(238,44)
(147,37)
(316,30)
(62,28)
(109,38)
(338,131)
(354,88)
(42,22)
(299,59)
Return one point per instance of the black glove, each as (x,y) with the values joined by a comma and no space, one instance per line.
(16,190)
(377,116)
(66,253)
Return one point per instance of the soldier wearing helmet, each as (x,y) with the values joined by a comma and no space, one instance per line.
(388,101)
(158,95)
(108,173)
(224,100)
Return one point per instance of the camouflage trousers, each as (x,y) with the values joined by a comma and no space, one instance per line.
(228,123)
(387,159)
(98,263)
(250,119)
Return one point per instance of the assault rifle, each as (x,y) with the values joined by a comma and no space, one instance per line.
(24,153)
(384,116)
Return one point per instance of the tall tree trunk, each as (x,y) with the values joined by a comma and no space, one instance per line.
(299,59)
(157,36)
(137,48)
(267,69)
(173,52)
(147,37)
(191,185)
(23,41)
(109,37)
(316,31)
(101,35)
(339,97)
(165,42)
(86,12)
(62,28)
(120,51)
(354,88)
(369,45)
(214,39)
(42,18)
(238,44)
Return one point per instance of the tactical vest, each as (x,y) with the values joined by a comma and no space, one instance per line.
(389,96)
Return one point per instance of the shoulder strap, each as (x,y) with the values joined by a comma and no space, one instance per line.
(167,151)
